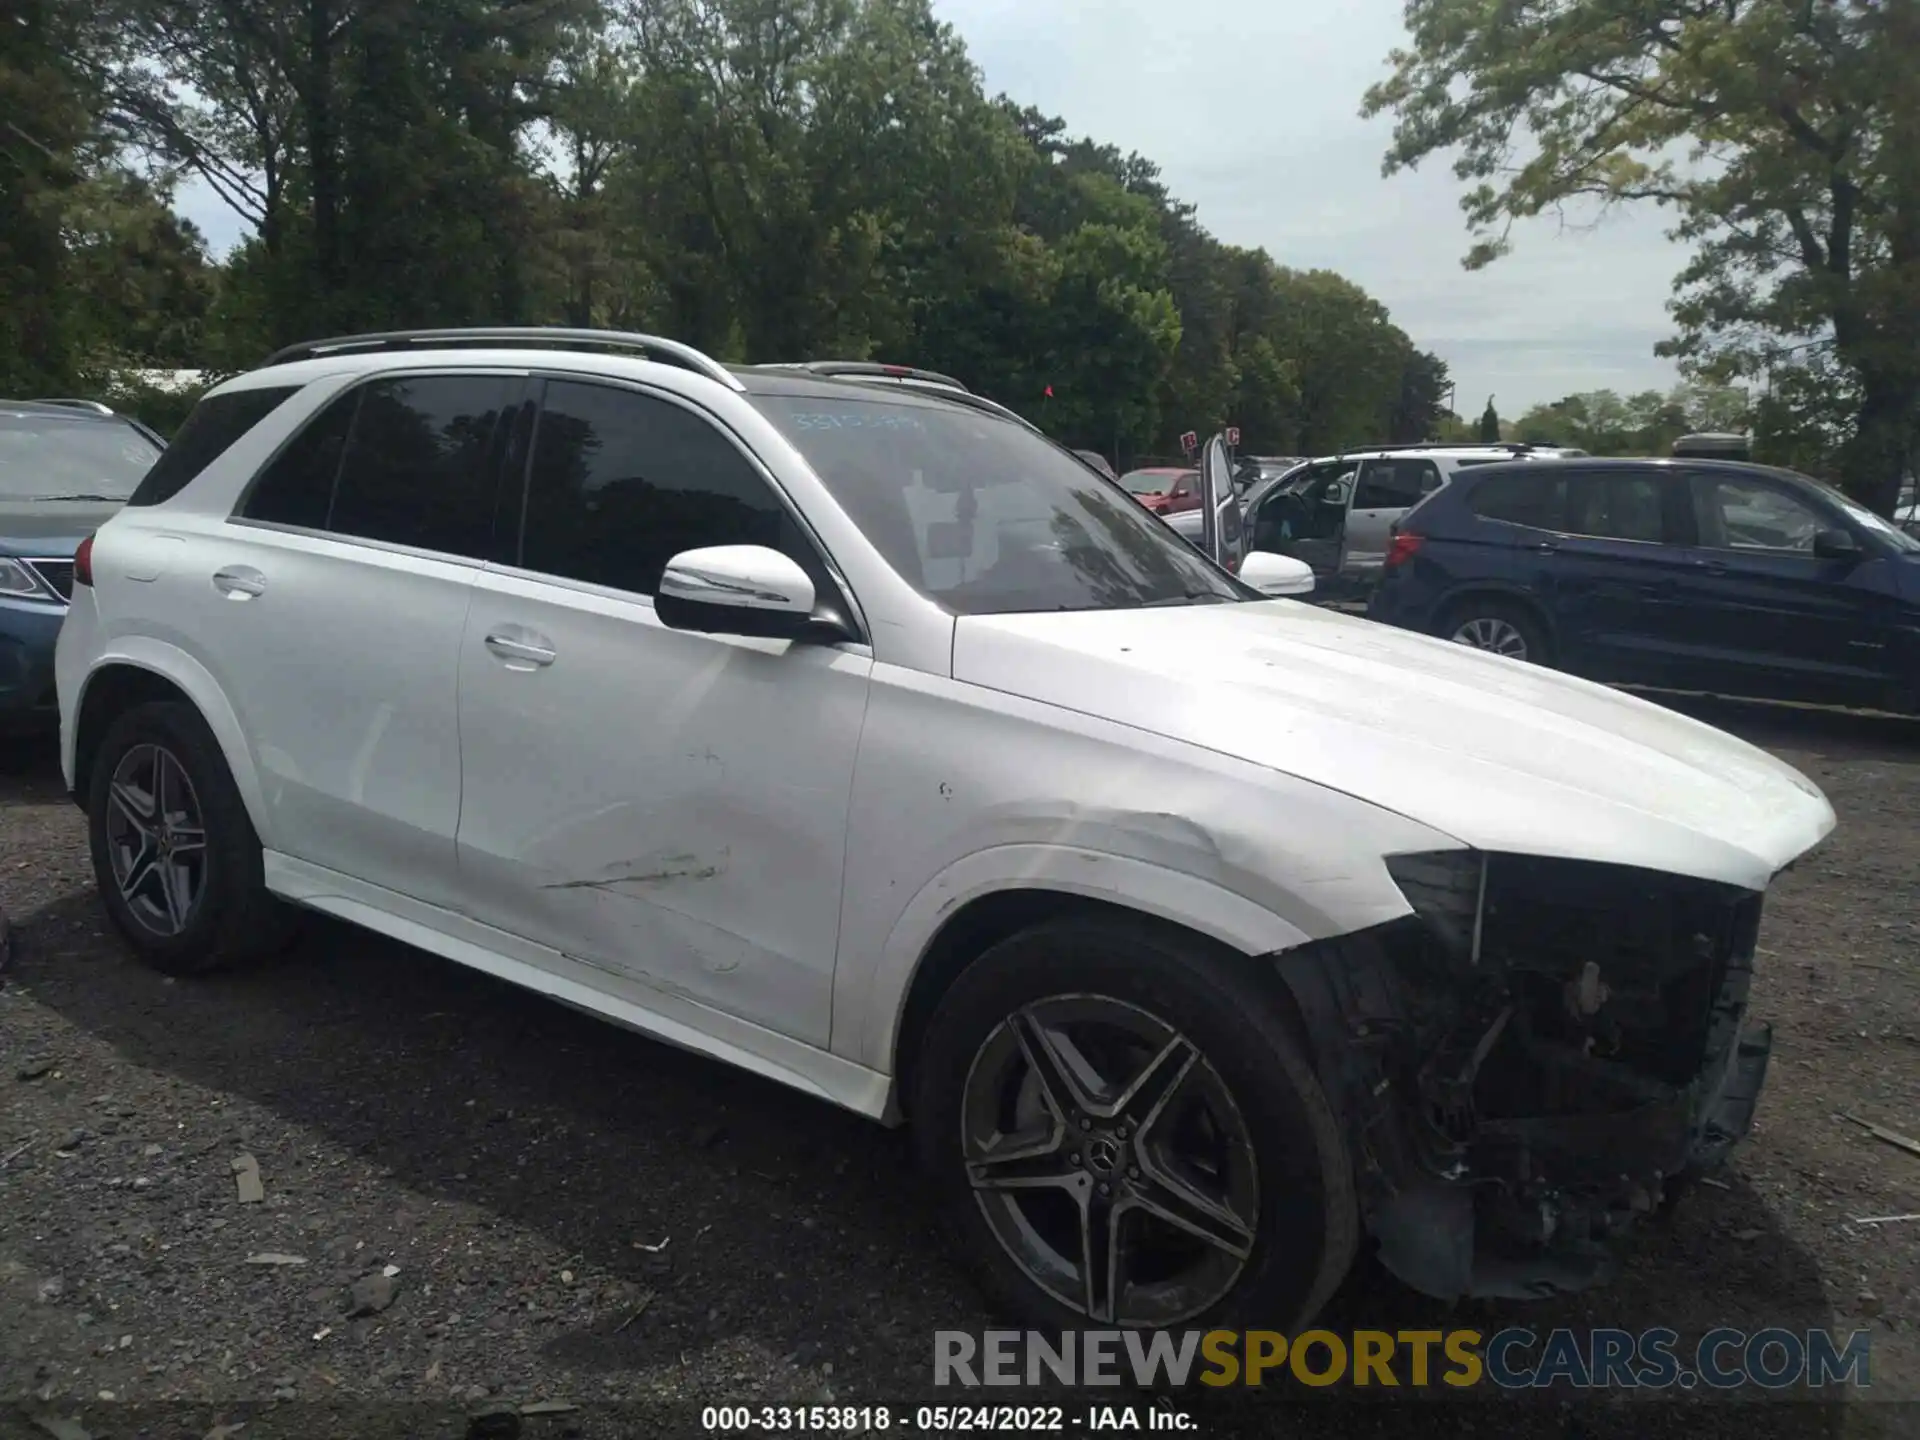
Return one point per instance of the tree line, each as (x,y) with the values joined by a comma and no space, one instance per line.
(765,179)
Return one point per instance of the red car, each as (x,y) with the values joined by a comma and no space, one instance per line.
(1164,489)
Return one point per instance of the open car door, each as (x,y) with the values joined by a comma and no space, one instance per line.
(1222,535)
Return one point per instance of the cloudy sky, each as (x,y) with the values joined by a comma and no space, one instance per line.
(1251,109)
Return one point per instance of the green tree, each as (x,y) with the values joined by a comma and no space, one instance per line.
(1490,424)
(1786,138)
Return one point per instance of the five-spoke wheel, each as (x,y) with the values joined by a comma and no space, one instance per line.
(156,838)
(1129,1134)
(178,862)
(1110,1160)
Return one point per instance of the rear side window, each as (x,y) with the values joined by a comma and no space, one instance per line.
(1536,501)
(421,466)
(296,487)
(1617,505)
(1395,484)
(209,432)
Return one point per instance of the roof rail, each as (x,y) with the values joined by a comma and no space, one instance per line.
(1516,447)
(872,369)
(531,336)
(95,406)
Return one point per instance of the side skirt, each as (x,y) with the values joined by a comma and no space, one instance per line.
(622,999)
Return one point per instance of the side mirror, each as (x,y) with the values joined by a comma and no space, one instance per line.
(1835,544)
(736,590)
(1276,575)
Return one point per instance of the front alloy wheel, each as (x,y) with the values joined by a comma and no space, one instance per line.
(1125,1130)
(1110,1161)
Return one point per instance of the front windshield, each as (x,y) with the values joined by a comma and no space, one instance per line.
(1148,482)
(49,458)
(987,518)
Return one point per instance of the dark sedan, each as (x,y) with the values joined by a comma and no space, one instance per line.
(1729,578)
(65,466)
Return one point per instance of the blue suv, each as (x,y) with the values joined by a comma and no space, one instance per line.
(1716,576)
(65,466)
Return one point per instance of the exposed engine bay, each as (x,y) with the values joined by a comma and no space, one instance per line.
(1544,1052)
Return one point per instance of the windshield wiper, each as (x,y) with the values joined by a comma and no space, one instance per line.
(54,499)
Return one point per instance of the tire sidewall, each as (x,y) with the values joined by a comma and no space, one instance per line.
(179,732)
(1306,1210)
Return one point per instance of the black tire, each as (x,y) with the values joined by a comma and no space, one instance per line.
(232,918)
(1304,1226)
(1488,610)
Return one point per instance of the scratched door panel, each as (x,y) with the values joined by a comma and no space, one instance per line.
(667,806)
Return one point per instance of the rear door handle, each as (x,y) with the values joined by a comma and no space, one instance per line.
(1546,547)
(526,652)
(1712,567)
(239,582)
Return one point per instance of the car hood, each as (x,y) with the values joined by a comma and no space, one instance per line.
(1501,755)
(50,528)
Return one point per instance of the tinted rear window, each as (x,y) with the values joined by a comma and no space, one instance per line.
(1538,501)
(210,431)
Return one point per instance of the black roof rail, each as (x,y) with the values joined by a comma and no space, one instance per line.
(871,369)
(510,336)
(95,406)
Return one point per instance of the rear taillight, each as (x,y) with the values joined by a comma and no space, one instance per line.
(1403,549)
(83,563)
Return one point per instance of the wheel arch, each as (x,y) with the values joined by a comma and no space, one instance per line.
(1505,594)
(141,674)
(969,924)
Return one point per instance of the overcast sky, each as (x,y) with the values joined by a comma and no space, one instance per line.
(1251,109)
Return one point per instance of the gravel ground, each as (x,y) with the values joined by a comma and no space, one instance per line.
(575,1215)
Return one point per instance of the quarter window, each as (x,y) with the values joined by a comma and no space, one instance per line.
(209,432)
(622,482)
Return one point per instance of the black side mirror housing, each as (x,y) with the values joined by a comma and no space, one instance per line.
(1835,544)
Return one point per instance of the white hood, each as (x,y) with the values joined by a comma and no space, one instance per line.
(1501,755)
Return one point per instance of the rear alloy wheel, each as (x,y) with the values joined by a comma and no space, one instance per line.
(1499,629)
(156,839)
(1126,1134)
(176,857)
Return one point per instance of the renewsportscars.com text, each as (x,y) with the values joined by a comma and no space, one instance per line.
(1511,1359)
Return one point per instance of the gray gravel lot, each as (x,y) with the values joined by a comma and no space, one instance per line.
(575,1214)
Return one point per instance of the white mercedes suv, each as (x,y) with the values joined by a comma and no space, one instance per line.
(857,735)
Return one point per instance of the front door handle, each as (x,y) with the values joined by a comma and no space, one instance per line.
(1712,567)
(511,648)
(239,582)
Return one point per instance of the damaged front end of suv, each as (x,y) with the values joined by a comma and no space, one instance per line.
(1543,1053)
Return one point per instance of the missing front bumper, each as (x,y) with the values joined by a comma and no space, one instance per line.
(1516,1104)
